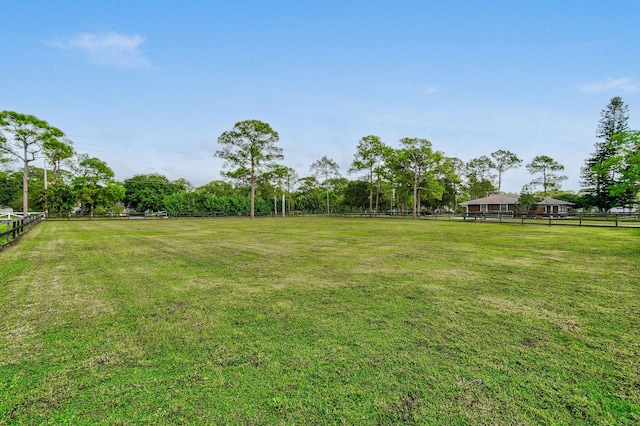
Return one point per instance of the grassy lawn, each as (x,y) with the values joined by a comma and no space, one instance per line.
(319,321)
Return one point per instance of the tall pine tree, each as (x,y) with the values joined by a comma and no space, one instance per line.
(596,179)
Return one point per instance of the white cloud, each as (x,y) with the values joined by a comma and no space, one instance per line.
(431,89)
(110,49)
(624,84)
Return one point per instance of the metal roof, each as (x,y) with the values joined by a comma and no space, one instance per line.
(493,199)
(513,199)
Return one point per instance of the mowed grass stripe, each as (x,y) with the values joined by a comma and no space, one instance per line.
(319,320)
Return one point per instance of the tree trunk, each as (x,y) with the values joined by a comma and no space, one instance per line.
(253,194)
(415,196)
(391,197)
(328,210)
(370,191)
(46,195)
(25,184)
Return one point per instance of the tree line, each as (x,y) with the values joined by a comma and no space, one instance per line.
(413,177)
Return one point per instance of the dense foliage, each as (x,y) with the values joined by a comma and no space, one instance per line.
(249,151)
(200,203)
(22,136)
(598,179)
(411,178)
(148,192)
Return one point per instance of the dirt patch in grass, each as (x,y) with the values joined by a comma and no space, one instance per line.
(567,323)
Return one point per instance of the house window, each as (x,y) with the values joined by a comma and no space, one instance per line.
(483,208)
(504,207)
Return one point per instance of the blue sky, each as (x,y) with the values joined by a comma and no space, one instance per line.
(149,86)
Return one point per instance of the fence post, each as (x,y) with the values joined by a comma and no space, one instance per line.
(616,220)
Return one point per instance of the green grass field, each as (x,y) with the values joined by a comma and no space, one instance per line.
(319,321)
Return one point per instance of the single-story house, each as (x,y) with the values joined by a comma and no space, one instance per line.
(507,203)
(552,206)
(494,203)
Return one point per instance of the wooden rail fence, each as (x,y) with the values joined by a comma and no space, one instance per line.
(16,226)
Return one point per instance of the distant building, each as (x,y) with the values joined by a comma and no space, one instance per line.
(507,203)
(552,206)
(497,202)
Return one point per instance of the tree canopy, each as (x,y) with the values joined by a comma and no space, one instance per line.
(95,184)
(414,173)
(147,192)
(598,179)
(419,163)
(502,161)
(369,154)
(23,136)
(625,163)
(327,169)
(248,150)
(548,169)
(479,177)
